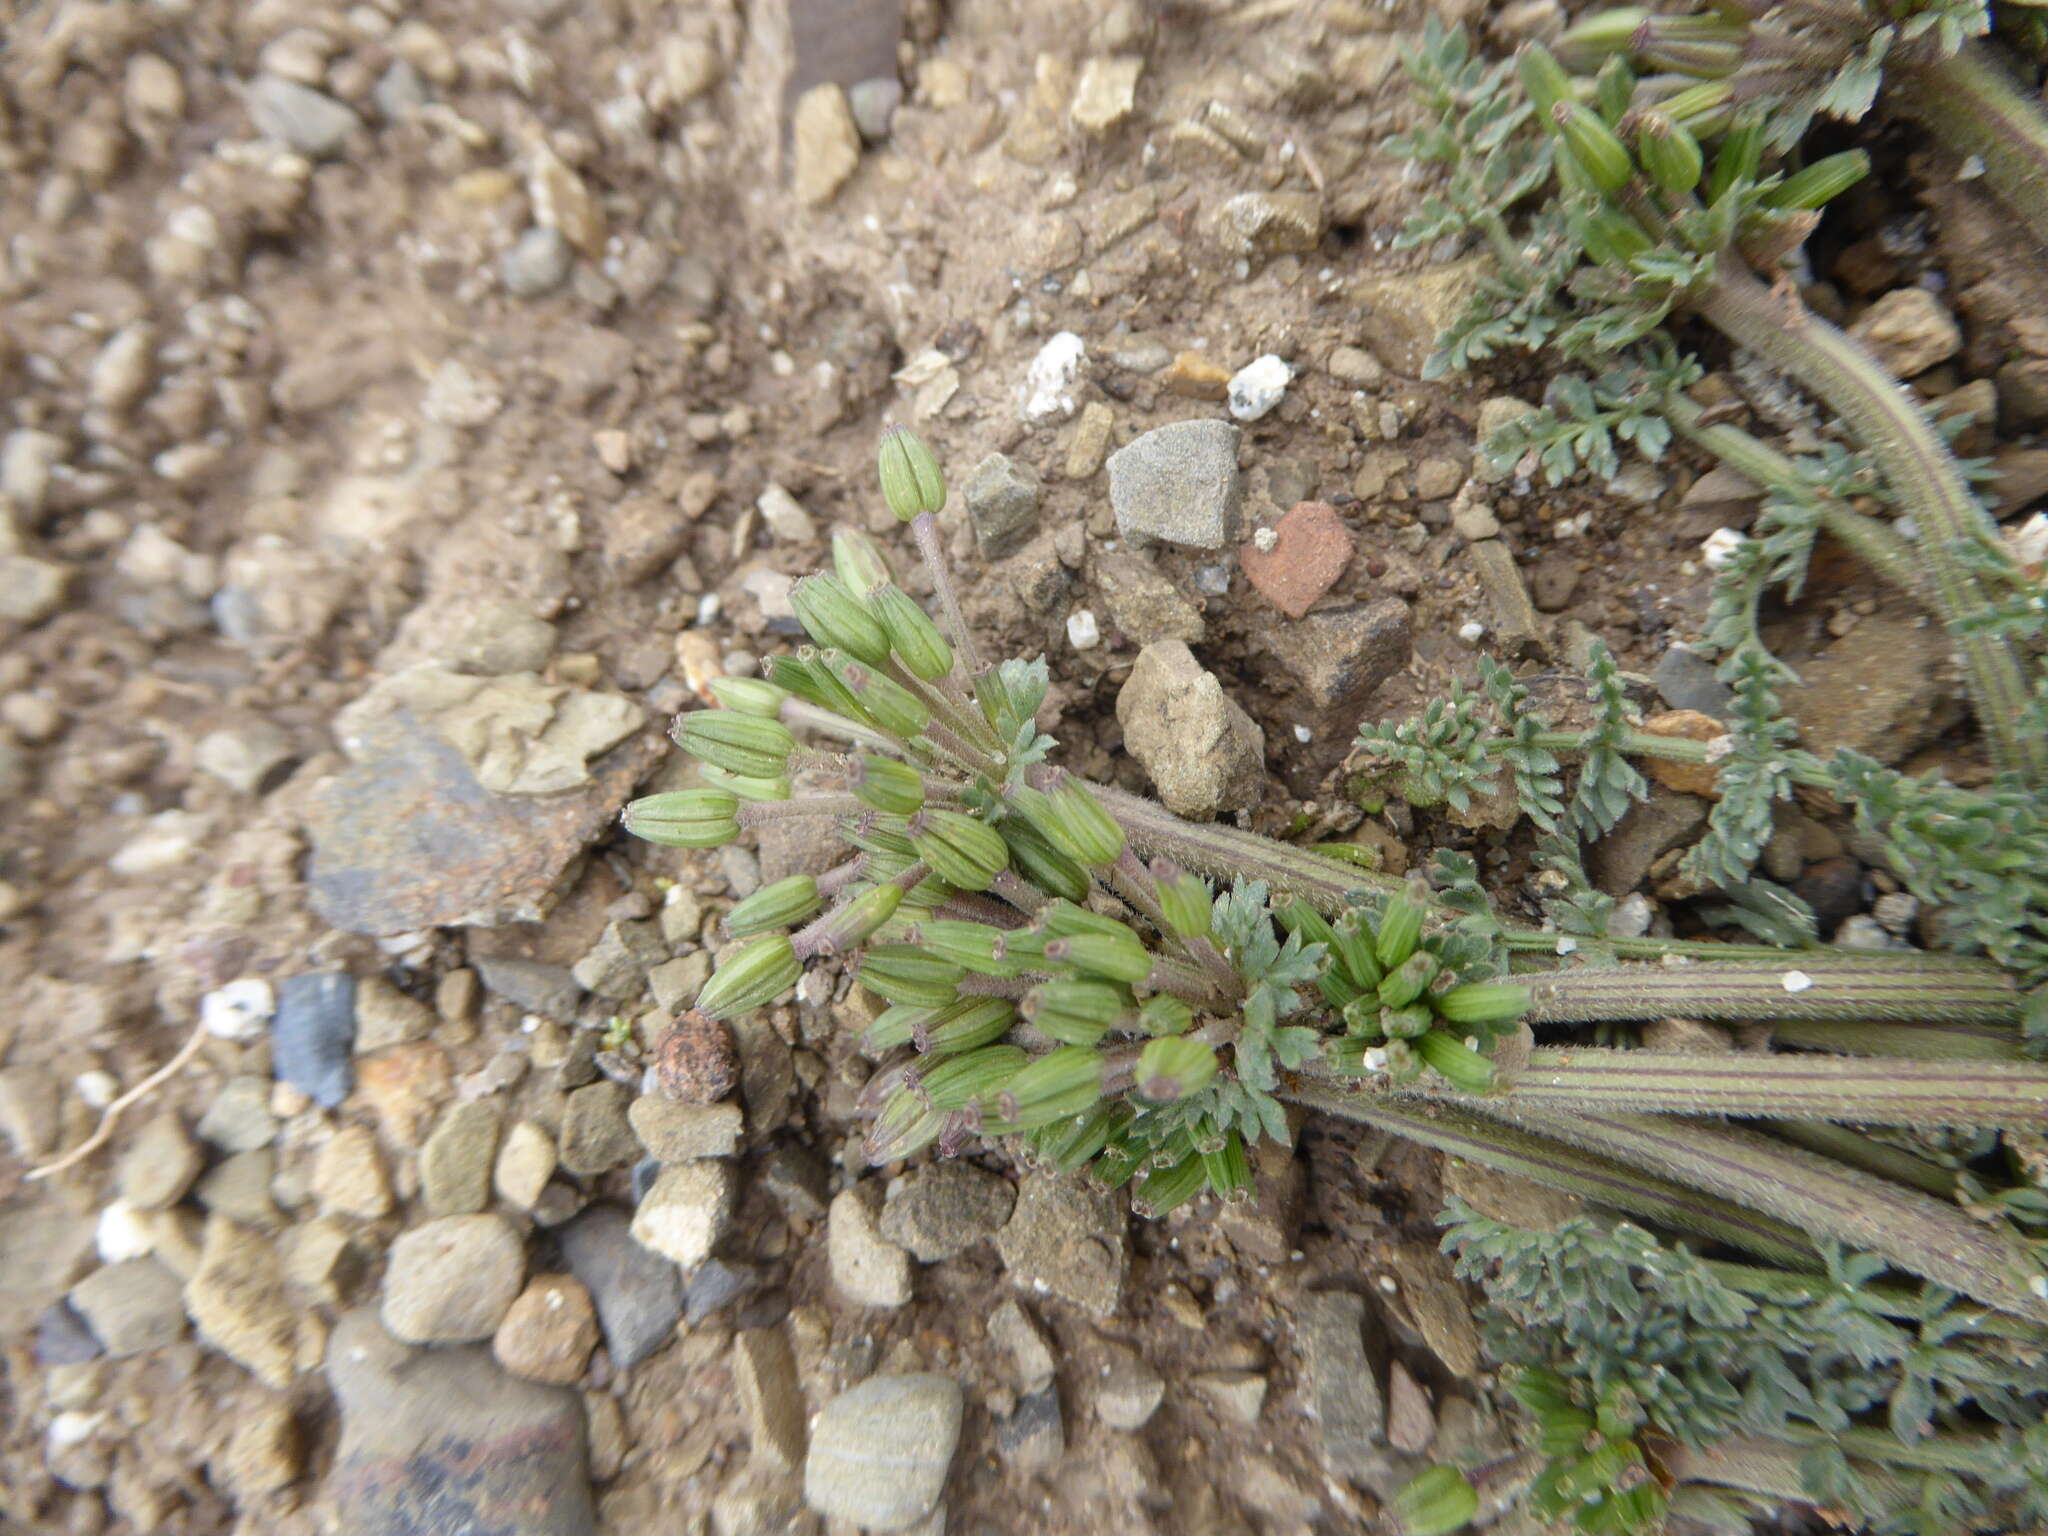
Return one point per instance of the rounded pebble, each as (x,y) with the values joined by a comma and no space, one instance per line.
(452,1281)
(880,1451)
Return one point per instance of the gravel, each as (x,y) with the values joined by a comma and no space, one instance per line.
(880,1451)
(1179,484)
(452,1280)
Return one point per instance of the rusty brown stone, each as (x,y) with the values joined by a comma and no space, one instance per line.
(1310,550)
(1685,725)
(694,1062)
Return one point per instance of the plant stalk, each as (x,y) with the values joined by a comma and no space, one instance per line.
(1970,104)
(1916,1042)
(1859,1151)
(1816,984)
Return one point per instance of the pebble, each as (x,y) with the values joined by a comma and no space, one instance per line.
(1342,1392)
(1090,446)
(438,1442)
(873,103)
(1896,912)
(1340,656)
(1909,330)
(1272,223)
(28,458)
(764,1366)
(244,757)
(308,121)
(456,1162)
(525,1163)
(869,1270)
(1430,1287)
(160,1165)
(1310,549)
(1258,387)
(1048,390)
(537,263)
(1002,504)
(945,1209)
(1107,92)
(596,1136)
(685,1213)
(1195,377)
(1356,366)
(549,1332)
(1688,681)
(1128,1392)
(531,985)
(265,1453)
(316,1258)
(695,1060)
(1032,1437)
(131,1307)
(1013,1330)
(1202,751)
(62,1337)
(1142,603)
(880,1451)
(713,1285)
(826,144)
(239,1188)
(1410,1423)
(122,1232)
(349,1177)
(1084,633)
(638,1293)
(1179,484)
(785,516)
(312,1035)
(680,1133)
(453,1279)
(236,1300)
(31,589)
(1238,1395)
(1066,1238)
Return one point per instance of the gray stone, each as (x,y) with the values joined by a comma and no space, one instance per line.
(796,1176)
(537,263)
(764,1367)
(313,1035)
(1002,504)
(869,1270)
(1180,484)
(1011,1328)
(1517,630)
(131,1307)
(504,636)
(686,1211)
(532,985)
(676,983)
(1343,1391)
(596,1136)
(1909,330)
(245,757)
(1620,861)
(1339,656)
(617,967)
(946,1208)
(306,120)
(880,1451)
(1687,681)
(443,1443)
(62,1337)
(238,1187)
(1886,689)
(1142,603)
(455,1164)
(639,1294)
(1203,752)
(682,1133)
(400,91)
(159,1165)
(715,1284)
(1239,1396)
(1066,1238)
(453,1280)
(1128,1392)
(1032,1437)
(873,104)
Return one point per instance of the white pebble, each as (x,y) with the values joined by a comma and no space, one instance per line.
(1259,386)
(1304,735)
(1795,981)
(1719,547)
(122,1233)
(1471,631)
(1265,539)
(1049,382)
(71,1427)
(239,1010)
(1083,633)
(1571,527)
(96,1088)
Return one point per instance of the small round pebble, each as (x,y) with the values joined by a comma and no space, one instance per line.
(880,1451)
(537,263)
(550,1331)
(452,1281)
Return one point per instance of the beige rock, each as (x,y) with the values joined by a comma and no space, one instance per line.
(1204,753)
(237,1302)
(1106,93)
(1909,330)
(349,1177)
(827,144)
(550,1331)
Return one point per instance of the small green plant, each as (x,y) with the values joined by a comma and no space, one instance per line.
(1049,962)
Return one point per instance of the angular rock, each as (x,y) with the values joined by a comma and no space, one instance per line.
(596,1136)
(549,1332)
(826,144)
(1106,92)
(869,1270)
(236,1301)
(443,1443)
(1011,1328)
(1436,1303)
(386,1017)
(238,1187)
(880,1451)
(1179,484)
(1909,330)
(1032,1437)
(1066,1238)
(1516,628)
(348,1175)
(159,1165)
(1128,1392)
(1402,315)
(1410,1423)
(1142,603)
(1239,1396)
(1338,657)
(638,1293)
(312,1035)
(266,1452)
(453,1280)
(945,1209)
(538,262)
(131,1307)
(456,1162)
(764,1366)
(525,1163)
(682,1133)
(1203,752)
(1621,860)
(1001,496)
(1688,681)
(533,985)
(309,121)
(685,1212)
(1885,689)
(1343,1391)
(1309,550)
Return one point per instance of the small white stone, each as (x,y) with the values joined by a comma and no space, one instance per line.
(96,1088)
(1471,631)
(1049,382)
(122,1233)
(708,607)
(1258,386)
(1304,735)
(71,1427)
(2039,1286)
(1264,540)
(1567,946)
(1719,547)
(1571,527)
(1795,981)
(239,1010)
(1083,633)
(785,516)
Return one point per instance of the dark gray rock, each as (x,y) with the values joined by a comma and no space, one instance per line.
(715,1284)
(1339,656)
(1687,681)
(1179,484)
(1620,861)
(945,1209)
(1033,1437)
(313,1035)
(639,1295)
(1002,504)
(443,1443)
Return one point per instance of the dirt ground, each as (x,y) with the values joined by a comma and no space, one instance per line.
(525,336)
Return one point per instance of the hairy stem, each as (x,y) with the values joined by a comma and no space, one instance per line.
(1917,1041)
(1223,853)
(1916,463)
(1818,984)
(924,531)
(1970,104)
(1859,1151)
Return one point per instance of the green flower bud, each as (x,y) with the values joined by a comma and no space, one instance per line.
(982,949)
(1706,109)
(1165,1014)
(1542,1391)
(751,977)
(1049,1112)
(685,818)
(1337,987)
(859,562)
(1692,45)
(1362,1018)
(1400,930)
(781,905)
(1061,919)
(1409,980)
(748,695)
(904,1127)
(961,850)
(1485,1002)
(1409,1023)
(1299,917)
(1591,42)
(1821,182)
(1082,827)
(1042,864)
(881,699)
(1069,1069)
(1066,1146)
(1185,900)
(913,634)
(1352,944)
(1167,1189)
(1563,1431)
(850,923)
(1603,156)
(1740,153)
(1543,79)
(1436,1502)
(1669,153)
(1174,1067)
(1075,1012)
(968,1025)
(971,1077)
(833,616)
(807,678)
(901,974)
(743,787)
(1456,1062)
(1227,1171)
(887,785)
(1098,954)
(1607,234)
(896,1026)
(747,745)
(912,483)
(1614,88)
(1118,1162)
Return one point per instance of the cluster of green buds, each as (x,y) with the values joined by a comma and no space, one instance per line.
(1597,1473)
(1030,975)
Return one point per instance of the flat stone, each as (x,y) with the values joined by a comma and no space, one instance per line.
(452,1280)
(1271,223)
(131,1307)
(1195,377)
(63,1337)
(266,1453)
(525,1163)
(238,1187)
(1202,751)
(403,1086)
(386,1017)
(1142,603)
(1309,551)
(312,1035)
(1517,630)
(532,985)
(456,1162)
(1127,1392)
(1688,681)
(596,1136)
(549,1332)
(715,1284)
(681,1133)
(764,1367)
(638,1293)
(1621,860)
(349,1177)
(1066,1239)
(1886,689)
(31,589)
(1001,496)
(1403,314)
(159,1165)
(1343,1391)
(826,144)
(945,1209)
(1090,443)
(245,757)
(1012,1329)
(1410,1423)
(869,1270)
(685,1212)
(1239,1395)
(1106,92)
(443,1443)
(617,966)
(1436,1303)
(1179,484)
(317,1259)
(306,120)
(1340,656)
(1909,330)
(236,1300)
(880,1451)
(1683,725)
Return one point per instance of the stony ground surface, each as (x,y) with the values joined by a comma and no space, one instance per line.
(408,408)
